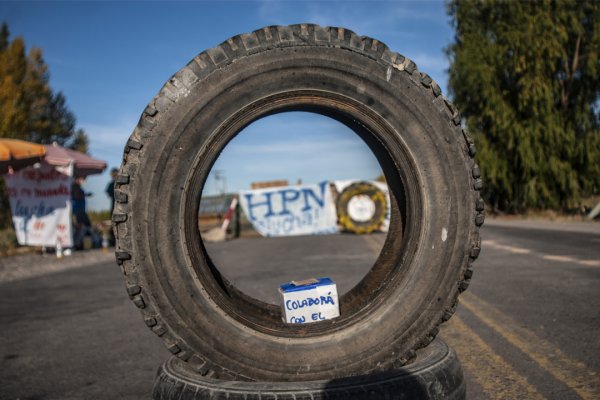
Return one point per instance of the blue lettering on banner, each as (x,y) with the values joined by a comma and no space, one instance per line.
(287,196)
(291,210)
(298,320)
(38,210)
(289,223)
(309,192)
(285,199)
(267,203)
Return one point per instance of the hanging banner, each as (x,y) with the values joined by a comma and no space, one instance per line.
(291,210)
(40,201)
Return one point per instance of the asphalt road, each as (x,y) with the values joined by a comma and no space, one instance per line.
(528,327)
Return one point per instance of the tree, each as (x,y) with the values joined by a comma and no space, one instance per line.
(79,141)
(29,109)
(526,76)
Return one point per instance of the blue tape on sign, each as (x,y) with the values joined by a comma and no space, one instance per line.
(294,287)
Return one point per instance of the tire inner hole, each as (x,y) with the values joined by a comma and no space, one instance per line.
(280,164)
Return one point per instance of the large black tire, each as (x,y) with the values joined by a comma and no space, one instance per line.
(436,374)
(372,220)
(427,160)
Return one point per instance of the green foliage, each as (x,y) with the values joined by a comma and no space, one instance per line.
(526,76)
(29,109)
(8,241)
(99,217)
(80,141)
(5,217)
(380,178)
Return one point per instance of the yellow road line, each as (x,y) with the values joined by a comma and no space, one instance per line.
(495,376)
(574,374)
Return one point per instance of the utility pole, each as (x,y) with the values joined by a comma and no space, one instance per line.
(220,182)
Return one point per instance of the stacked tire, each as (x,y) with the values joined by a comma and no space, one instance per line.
(361,208)
(228,345)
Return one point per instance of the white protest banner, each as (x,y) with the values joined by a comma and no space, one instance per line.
(291,210)
(40,201)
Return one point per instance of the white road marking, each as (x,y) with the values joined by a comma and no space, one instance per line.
(511,249)
(559,258)
(549,257)
(591,263)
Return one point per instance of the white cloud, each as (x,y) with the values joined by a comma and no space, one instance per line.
(365,18)
(292,147)
(108,141)
(402,25)
(435,65)
(431,62)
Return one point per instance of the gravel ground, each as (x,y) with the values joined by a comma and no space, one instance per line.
(31,265)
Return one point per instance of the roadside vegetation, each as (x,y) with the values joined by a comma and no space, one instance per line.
(30,110)
(8,242)
(526,77)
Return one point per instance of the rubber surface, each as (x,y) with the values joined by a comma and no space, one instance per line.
(427,159)
(436,374)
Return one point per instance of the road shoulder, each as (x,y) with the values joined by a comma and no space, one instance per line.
(559,225)
(32,265)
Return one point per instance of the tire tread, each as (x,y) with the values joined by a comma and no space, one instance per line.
(245,45)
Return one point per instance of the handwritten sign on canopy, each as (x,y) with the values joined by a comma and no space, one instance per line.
(291,210)
(40,201)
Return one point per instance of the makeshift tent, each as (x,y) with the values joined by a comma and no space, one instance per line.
(83,165)
(16,154)
(40,196)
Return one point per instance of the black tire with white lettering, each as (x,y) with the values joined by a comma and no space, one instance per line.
(371,219)
(435,374)
(428,163)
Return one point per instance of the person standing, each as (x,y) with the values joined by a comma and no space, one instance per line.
(81,221)
(110,189)
(110,192)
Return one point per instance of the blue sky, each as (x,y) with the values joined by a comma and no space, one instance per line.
(111,58)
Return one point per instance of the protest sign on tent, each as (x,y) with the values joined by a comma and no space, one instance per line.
(40,200)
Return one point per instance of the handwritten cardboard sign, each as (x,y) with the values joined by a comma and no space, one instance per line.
(308,301)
